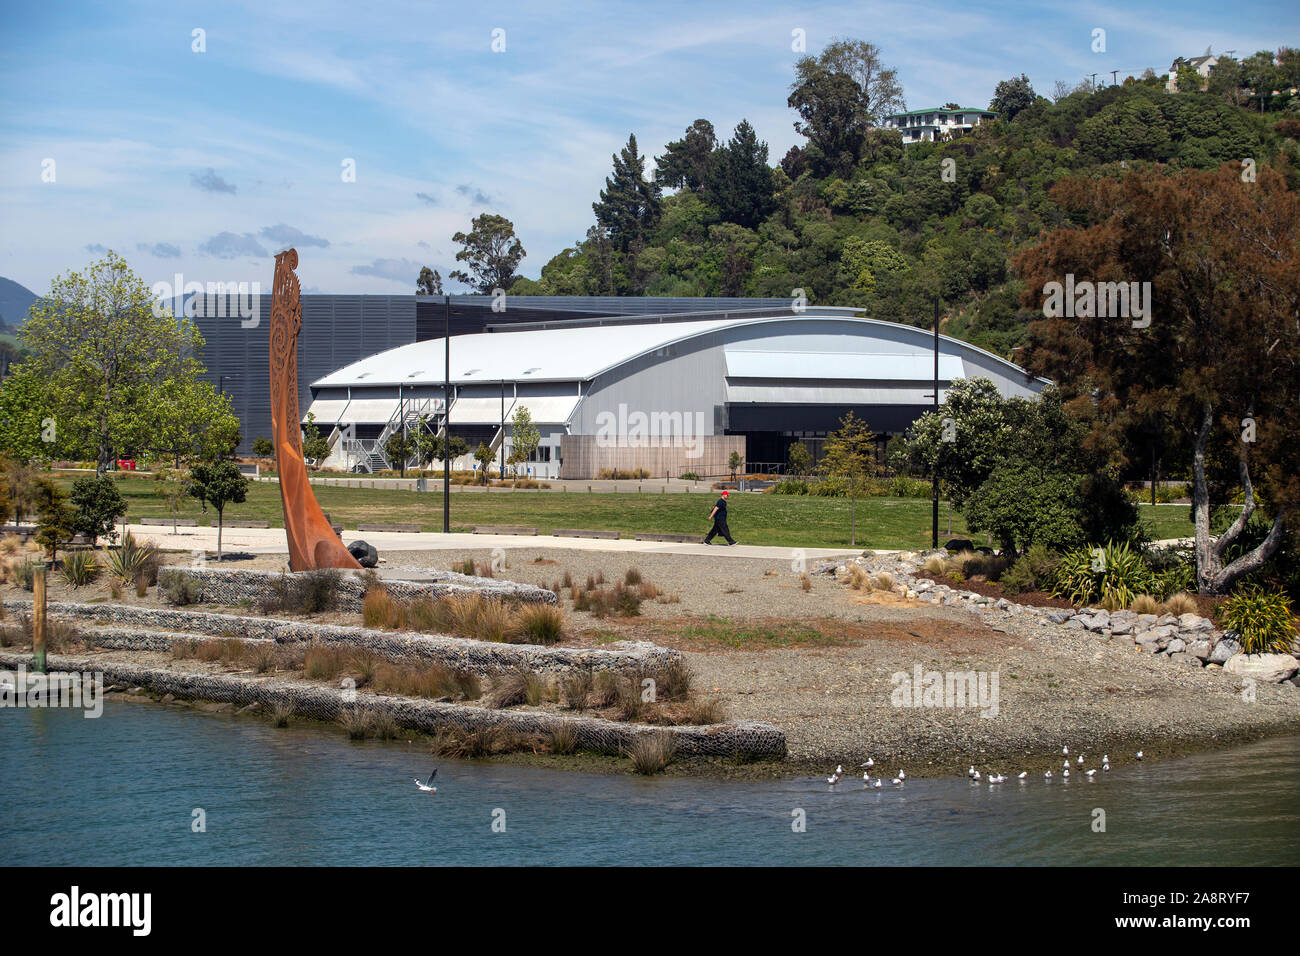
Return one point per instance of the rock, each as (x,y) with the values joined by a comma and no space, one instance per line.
(1176,646)
(1193,622)
(1200,649)
(1182,657)
(1075,621)
(1224,650)
(1001,604)
(1144,621)
(1155,635)
(1166,619)
(365,553)
(959,544)
(1100,621)
(1269,668)
(168,698)
(1059,617)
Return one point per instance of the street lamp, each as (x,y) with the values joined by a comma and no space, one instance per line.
(221,382)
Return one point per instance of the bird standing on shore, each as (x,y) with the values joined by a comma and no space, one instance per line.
(1089,773)
(869,763)
(1023,775)
(428,786)
(1048,774)
(1139,755)
(1065,751)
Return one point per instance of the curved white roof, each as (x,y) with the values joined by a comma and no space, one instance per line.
(566,354)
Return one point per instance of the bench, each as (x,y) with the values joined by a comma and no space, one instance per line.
(503,529)
(168,522)
(247,523)
(582,533)
(405,528)
(676,538)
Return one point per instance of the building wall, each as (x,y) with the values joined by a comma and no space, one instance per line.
(586,456)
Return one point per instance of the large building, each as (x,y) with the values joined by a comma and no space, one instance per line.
(669,393)
(339,329)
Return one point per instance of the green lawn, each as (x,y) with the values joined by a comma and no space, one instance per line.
(785,520)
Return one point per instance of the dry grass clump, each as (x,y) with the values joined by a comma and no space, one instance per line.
(10,544)
(885,581)
(1145,604)
(935,565)
(481,742)
(518,686)
(281,713)
(467,615)
(664,696)
(617,601)
(562,738)
(805,582)
(859,580)
(59,635)
(651,753)
(1180,603)
(471,568)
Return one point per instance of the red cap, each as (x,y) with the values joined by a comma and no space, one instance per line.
(725,493)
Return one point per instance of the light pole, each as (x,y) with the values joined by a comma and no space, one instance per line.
(934,476)
(446,415)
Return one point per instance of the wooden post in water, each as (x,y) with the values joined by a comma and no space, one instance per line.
(38,618)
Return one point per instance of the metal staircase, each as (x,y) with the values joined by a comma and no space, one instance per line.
(412,416)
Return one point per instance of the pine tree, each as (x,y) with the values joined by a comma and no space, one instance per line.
(629,203)
(741,185)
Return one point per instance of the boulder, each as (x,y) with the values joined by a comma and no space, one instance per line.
(1100,621)
(1200,649)
(1224,650)
(1176,646)
(1268,668)
(1182,657)
(365,553)
(1193,622)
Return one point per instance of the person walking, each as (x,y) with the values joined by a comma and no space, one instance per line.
(719,518)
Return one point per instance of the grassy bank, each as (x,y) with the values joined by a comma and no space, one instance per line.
(782,520)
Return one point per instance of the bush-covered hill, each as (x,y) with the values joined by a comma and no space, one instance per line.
(886,227)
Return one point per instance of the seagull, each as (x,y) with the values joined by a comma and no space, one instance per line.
(971,771)
(1080,760)
(898,780)
(1065,772)
(877,784)
(428,786)
(833,779)
(869,763)
(1139,755)
(977,775)
(1067,765)
(866,777)
(1065,750)
(1048,774)
(1023,775)
(839,770)
(1105,758)
(902,775)
(1089,773)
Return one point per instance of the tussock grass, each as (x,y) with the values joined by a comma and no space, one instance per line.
(562,738)
(1145,604)
(1180,603)
(651,753)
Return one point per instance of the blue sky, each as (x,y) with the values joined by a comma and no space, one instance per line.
(208,163)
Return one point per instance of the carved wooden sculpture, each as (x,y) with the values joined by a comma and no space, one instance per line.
(312,542)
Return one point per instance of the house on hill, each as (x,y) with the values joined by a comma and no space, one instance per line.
(920,126)
(1201,64)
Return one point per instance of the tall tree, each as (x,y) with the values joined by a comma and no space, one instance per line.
(102,354)
(524,436)
(1217,356)
(1012,96)
(833,118)
(880,92)
(740,181)
(685,162)
(429,282)
(629,203)
(491,251)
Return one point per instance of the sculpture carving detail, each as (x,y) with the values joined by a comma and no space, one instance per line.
(312,541)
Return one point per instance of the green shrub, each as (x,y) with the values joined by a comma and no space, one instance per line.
(1035,570)
(791,486)
(1021,507)
(180,589)
(1263,619)
(903,487)
(79,568)
(130,559)
(1112,577)
(98,504)
(689,476)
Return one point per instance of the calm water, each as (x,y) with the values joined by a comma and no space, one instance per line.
(122,789)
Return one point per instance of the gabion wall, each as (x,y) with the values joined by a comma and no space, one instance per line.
(747,739)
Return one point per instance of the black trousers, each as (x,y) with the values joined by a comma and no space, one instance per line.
(719,527)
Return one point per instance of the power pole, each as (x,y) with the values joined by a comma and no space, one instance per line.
(446,415)
(38,618)
(934,475)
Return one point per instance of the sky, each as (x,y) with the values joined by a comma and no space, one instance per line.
(204,153)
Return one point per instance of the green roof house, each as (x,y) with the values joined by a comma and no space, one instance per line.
(919,126)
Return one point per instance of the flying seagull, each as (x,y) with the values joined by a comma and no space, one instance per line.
(428,786)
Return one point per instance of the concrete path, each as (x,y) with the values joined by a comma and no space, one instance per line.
(272,541)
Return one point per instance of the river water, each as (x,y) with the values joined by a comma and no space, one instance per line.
(124,789)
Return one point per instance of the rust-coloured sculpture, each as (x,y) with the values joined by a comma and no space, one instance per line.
(312,542)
